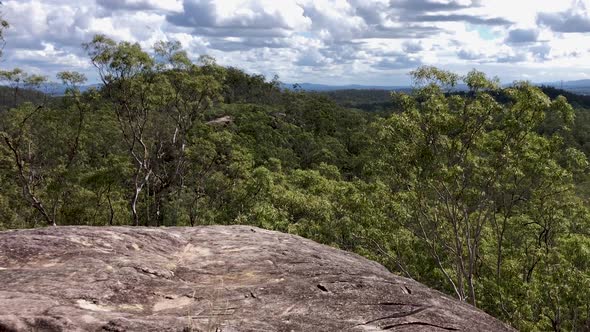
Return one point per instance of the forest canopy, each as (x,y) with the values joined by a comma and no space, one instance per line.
(480,193)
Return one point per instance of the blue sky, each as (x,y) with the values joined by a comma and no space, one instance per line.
(374,42)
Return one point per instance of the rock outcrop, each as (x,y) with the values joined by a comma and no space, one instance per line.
(217,278)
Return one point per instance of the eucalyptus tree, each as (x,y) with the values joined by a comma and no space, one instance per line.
(469,170)
(157,100)
(40,154)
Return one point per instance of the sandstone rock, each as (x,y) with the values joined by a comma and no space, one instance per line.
(222,121)
(217,278)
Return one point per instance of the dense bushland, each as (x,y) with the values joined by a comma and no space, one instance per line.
(480,194)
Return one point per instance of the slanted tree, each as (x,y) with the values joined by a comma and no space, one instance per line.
(41,156)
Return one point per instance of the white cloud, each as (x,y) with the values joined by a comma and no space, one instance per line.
(169,5)
(325,41)
(576,19)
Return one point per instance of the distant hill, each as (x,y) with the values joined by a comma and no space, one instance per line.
(324,87)
(8,99)
(379,100)
(571,84)
(372,100)
(579,86)
(58,89)
(578,100)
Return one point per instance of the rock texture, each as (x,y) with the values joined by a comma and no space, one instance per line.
(217,278)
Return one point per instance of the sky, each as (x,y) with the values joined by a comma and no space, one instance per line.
(336,42)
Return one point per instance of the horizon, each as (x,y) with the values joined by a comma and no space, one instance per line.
(353,86)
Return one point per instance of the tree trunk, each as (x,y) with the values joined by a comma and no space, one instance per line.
(134,207)
(111,210)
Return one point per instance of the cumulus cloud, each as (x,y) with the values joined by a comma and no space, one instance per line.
(342,41)
(334,20)
(575,19)
(522,36)
(373,13)
(433,6)
(53,23)
(231,44)
(469,55)
(462,18)
(411,31)
(412,47)
(512,58)
(419,11)
(398,63)
(230,15)
(541,52)
(312,58)
(396,60)
(140,4)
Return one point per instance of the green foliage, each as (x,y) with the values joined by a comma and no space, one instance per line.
(489,197)
(481,194)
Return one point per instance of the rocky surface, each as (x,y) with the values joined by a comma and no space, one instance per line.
(217,278)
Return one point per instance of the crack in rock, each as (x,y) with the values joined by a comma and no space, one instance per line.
(390,327)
